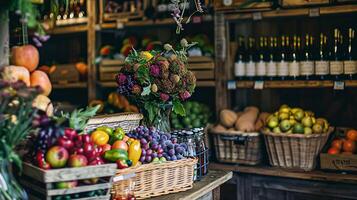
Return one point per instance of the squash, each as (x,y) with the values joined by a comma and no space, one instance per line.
(239,114)
(227,118)
(14,73)
(218,128)
(43,103)
(263,116)
(247,120)
(40,78)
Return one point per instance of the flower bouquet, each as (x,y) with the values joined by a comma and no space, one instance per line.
(157,82)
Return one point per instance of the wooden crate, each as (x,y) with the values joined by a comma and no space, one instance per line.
(109,68)
(239,5)
(40,182)
(295,3)
(120,16)
(66,73)
(202,67)
(338,162)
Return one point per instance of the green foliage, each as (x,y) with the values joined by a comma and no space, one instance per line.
(78,118)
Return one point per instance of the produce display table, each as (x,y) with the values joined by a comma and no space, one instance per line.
(256,182)
(205,189)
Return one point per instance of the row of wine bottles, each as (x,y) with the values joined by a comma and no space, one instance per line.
(74,9)
(295,57)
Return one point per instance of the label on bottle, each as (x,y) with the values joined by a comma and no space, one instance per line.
(294,69)
(350,66)
(272,68)
(322,67)
(336,67)
(307,68)
(227,2)
(261,68)
(162,7)
(239,68)
(250,68)
(283,69)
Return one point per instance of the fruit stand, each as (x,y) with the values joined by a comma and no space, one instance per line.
(176,99)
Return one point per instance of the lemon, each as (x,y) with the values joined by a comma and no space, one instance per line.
(146,55)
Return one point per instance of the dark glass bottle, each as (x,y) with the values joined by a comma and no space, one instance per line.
(272,58)
(250,64)
(306,62)
(240,59)
(162,9)
(282,59)
(350,56)
(322,63)
(336,63)
(294,68)
(261,59)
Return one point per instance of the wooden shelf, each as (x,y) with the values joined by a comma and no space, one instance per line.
(315,175)
(68,29)
(294,84)
(294,12)
(168,21)
(112,84)
(70,85)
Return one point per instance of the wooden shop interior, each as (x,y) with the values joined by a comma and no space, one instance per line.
(275,83)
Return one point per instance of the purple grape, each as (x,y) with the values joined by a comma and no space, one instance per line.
(159,155)
(179,157)
(142,159)
(173,158)
(184,145)
(148,152)
(168,135)
(143,141)
(146,146)
(148,158)
(154,146)
(154,154)
(167,157)
(179,149)
(143,152)
(160,150)
(167,142)
(171,152)
(170,146)
(176,145)
(174,140)
(164,137)
(149,138)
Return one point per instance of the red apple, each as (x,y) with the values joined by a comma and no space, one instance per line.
(26,56)
(77,160)
(57,156)
(97,161)
(66,184)
(86,139)
(70,133)
(79,151)
(65,142)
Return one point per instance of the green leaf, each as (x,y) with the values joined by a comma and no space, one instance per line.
(151,110)
(146,90)
(178,108)
(15,158)
(143,74)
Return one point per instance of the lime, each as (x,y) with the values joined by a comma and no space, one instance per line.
(298,128)
(285,125)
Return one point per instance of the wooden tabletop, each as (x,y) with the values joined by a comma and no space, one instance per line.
(273,171)
(212,180)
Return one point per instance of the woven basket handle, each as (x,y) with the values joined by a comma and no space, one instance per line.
(237,139)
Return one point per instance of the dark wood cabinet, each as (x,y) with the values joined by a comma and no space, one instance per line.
(259,187)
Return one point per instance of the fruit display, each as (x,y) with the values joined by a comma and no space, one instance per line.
(296,121)
(157,146)
(115,103)
(248,120)
(199,115)
(345,143)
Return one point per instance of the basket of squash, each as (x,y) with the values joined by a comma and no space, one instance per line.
(236,137)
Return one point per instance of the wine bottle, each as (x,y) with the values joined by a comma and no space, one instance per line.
(272,58)
(350,58)
(336,63)
(294,68)
(250,64)
(261,59)
(306,63)
(150,11)
(239,64)
(322,64)
(162,9)
(282,59)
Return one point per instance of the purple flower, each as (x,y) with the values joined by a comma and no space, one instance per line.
(121,78)
(185,95)
(155,70)
(164,97)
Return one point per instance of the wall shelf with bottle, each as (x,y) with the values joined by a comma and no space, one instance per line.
(258,85)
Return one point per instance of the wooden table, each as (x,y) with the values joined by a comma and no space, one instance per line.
(207,188)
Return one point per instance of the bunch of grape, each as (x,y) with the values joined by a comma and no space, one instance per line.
(48,132)
(157,145)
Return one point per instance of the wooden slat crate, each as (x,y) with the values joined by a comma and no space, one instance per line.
(40,183)
(120,16)
(202,67)
(296,3)
(338,162)
(108,69)
(66,73)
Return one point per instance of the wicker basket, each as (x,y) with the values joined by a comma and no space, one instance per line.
(238,147)
(157,179)
(294,151)
(127,121)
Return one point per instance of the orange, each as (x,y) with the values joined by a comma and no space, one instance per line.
(337,143)
(351,135)
(333,151)
(349,146)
